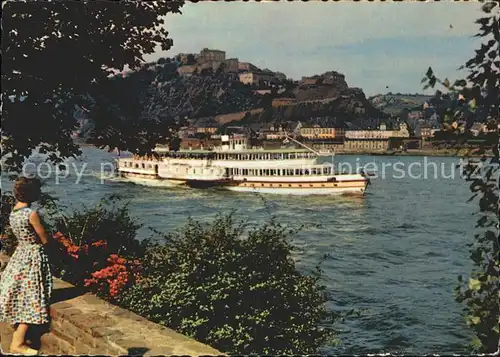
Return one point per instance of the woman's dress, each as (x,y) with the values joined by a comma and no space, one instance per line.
(26,282)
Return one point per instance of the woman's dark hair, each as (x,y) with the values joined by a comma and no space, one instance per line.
(27,189)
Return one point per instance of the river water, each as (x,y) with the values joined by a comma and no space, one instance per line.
(395,253)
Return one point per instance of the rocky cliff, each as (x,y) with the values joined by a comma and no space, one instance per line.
(157,93)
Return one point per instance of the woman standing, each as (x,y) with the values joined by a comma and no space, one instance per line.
(26,283)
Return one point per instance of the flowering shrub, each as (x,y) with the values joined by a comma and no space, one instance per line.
(86,239)
(112,280)
(75,250)
(74,263)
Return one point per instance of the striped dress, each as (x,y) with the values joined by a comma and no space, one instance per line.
(26,282)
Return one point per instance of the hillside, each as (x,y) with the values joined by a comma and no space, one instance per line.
(395,103)
(157,94)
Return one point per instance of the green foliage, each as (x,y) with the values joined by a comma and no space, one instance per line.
(234,288)
(109,220)
(480,293)
(57,54)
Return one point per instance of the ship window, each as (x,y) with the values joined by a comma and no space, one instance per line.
(289,185)
(307,172)
(280,185)
(300,185)
(311,185)
(262,184)
(271,185)
(136,166)
(322,185)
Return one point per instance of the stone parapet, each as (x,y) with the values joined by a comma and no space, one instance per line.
(83,324)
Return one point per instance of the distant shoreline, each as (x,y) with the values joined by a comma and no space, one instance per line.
(414,152)
(410,152)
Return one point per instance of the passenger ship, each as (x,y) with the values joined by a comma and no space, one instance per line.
(237,167)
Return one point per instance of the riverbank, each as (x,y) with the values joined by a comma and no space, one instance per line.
(418,152)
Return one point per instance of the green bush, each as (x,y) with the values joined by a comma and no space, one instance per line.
(234,288)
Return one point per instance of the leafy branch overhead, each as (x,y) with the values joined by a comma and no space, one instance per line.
(57,55)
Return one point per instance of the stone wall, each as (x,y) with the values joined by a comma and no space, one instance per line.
(84,324)
(227,118)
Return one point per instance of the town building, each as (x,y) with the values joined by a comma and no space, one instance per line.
(231,65)
(326,145)
(308,81)
(367,145)
(318,132)
(378,134)
(424,131)
(186,132)
(198,144)
(249,78)
(247,67)
(256,78)
(206,126)
(212,55)
(273,132)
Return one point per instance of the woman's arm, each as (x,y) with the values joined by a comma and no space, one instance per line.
(38,226)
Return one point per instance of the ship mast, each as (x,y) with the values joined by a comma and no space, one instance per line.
(301,144)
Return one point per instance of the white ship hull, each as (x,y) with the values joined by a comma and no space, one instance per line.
(302,191)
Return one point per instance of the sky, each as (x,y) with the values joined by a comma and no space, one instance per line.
(379,47)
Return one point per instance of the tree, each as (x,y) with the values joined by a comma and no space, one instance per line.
(57,55)
(479,95)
